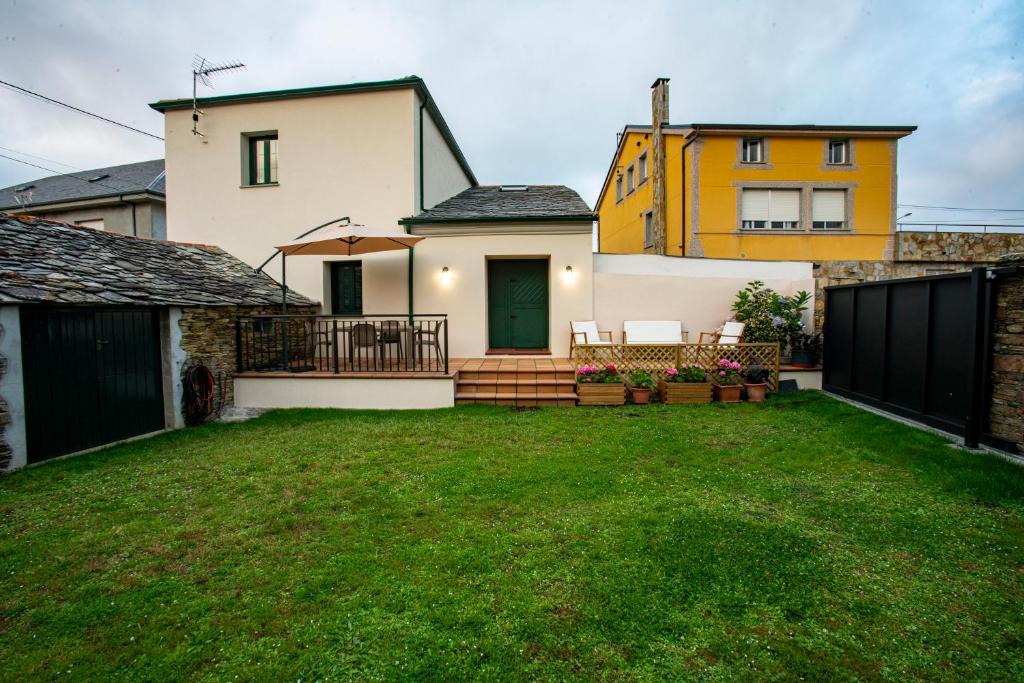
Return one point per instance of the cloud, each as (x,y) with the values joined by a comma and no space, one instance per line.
(536,91)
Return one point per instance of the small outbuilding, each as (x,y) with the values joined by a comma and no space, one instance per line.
(97,330)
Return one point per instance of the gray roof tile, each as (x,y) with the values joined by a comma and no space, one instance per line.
(496,202)
(46,261)
(145,176)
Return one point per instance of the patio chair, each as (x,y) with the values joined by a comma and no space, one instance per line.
(429,337)
(730,333)
(361,337)
(586,332)
(390,333)
(653,332)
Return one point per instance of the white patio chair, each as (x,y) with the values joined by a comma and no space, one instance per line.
(732,333)
(586,332)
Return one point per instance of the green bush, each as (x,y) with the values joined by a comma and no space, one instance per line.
(768,315)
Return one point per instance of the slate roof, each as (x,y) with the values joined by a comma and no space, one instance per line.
(499,203)
(145,176)
(49,262)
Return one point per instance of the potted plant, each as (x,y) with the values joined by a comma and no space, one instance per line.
(685,384)
(804,349)
(755,382)
(641,383)
(768,315)
(728,381)
(600,386)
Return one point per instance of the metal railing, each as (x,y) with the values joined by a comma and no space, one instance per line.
(321,343)
(984,228)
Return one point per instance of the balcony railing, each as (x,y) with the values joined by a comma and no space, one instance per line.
(330,344)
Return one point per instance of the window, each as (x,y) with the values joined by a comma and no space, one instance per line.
(770,209)
(648,230)
(828,210)
(262,160)
(753,150)
(838,151)
(347,288)
(630,179)
(641,164)
(618,189)
(94,223)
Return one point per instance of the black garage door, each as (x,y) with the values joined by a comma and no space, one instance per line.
(92,376)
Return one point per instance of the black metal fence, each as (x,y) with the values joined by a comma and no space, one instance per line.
(317,343)
(918,348)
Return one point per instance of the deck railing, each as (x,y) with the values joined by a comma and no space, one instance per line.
(321,343)
(657,358)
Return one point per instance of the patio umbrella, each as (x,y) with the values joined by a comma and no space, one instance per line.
(349,239)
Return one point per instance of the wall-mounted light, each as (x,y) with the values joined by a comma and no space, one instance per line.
(569,275)
(446,276)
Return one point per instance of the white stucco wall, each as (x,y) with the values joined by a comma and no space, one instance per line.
(443,176)
(464,297)
(338,155)
(344,392)
(698,291)
(12,387)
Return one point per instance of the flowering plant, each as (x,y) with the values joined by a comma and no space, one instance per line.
(728,373)
(592,374)
(768,315)
(686,373)
(641,379)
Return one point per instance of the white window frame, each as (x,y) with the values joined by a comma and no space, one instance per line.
(749,143)
(618,188)
(831,224)
(630,179)
(648,218)
(641,165)
(769,223)
(843,145)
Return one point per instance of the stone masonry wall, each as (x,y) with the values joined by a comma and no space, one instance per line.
(1006,407)
(208,338)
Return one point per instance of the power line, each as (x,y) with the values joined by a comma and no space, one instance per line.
(36,156)
(70,175)
(44,98)
(953,208)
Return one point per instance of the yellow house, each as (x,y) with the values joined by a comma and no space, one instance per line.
(770,192)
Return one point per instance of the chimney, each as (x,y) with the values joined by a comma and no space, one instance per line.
(659,117)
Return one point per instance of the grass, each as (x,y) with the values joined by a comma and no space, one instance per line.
(797,538)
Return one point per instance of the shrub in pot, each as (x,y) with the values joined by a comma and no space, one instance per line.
(728,381)
(755,382)
(600,386)
(768,315)
(685,384)
(641,383)
(804,349)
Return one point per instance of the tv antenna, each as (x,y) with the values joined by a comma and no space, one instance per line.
(202,69)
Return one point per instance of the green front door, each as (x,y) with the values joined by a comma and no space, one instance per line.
(517,304)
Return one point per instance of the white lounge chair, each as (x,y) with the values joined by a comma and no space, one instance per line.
(732,333)
(653,332)
(586,332)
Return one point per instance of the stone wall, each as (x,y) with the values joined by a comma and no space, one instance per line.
(1006,407)
(958,247)
(208,338)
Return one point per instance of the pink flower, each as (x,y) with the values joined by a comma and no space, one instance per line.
(721,373)
(611,368)
(672,372)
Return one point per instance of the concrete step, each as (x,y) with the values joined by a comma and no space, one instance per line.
(564,399)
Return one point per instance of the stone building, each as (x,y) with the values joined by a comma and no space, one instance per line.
(97,330)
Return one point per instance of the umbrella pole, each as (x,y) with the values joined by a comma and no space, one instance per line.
(284,286)
(410,287)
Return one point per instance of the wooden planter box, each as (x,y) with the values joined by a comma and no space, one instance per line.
(590,394)
(684,392)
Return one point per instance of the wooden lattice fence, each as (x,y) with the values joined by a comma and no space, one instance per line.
(657,358)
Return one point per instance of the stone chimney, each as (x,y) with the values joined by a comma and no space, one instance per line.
(659,117)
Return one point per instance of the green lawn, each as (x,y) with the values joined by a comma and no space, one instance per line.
(796,538)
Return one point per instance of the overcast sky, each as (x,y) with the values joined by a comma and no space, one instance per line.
(535,92)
